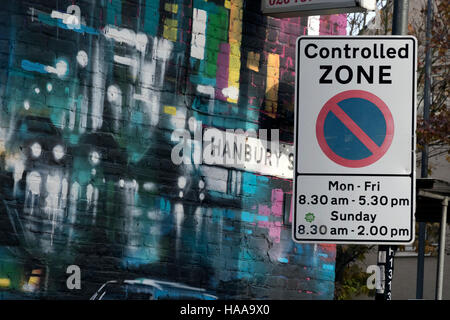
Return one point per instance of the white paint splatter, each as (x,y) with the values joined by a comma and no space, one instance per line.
(114,94)
(207,90)
(140,97)
(178,212)
(141,42)
(73,21)
(60,69)
(163,49)
(98,85)
(94,157)
(125,60)
(58,152)
(89,193)
(198,34)
(182,182)
(53,184)
(231,92)
(198,215)
(36,150)
(149,186)
(313,25)
(34,182)
(82,58)
(64,190)
(124,35)
(192,123)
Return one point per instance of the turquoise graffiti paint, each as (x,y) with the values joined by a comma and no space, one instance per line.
(151,18)
(114,12)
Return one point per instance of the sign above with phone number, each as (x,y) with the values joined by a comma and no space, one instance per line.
(297,8)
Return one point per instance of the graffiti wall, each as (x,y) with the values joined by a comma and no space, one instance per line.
(92,93)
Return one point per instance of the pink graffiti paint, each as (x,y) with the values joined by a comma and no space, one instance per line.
(328,248)
(333,24)
(275,231)
(223,63)
(277,202)
(274,227)
(263,210)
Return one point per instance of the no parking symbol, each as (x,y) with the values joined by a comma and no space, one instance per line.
(355,128)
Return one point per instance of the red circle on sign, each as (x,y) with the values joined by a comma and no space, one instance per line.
(332,106)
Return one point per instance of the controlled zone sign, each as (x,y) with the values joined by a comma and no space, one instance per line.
(354,179)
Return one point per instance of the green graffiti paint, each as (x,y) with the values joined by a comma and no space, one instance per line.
(216,33)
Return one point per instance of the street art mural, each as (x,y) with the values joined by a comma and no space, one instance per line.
(91,93)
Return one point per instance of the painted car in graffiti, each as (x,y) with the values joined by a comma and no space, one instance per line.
(149,289)
(37,164)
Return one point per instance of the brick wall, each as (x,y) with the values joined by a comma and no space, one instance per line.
(91,92)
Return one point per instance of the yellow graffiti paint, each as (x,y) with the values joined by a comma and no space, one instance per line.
(272,83)
(235,39)
(253,61)
(5,283)
(170,29)
(171,7)
(170,110)
(33,280)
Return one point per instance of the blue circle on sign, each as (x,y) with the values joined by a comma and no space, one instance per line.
(355,128)
(345,143)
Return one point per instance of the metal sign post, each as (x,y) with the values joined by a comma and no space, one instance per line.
(386,265)
(424,162)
